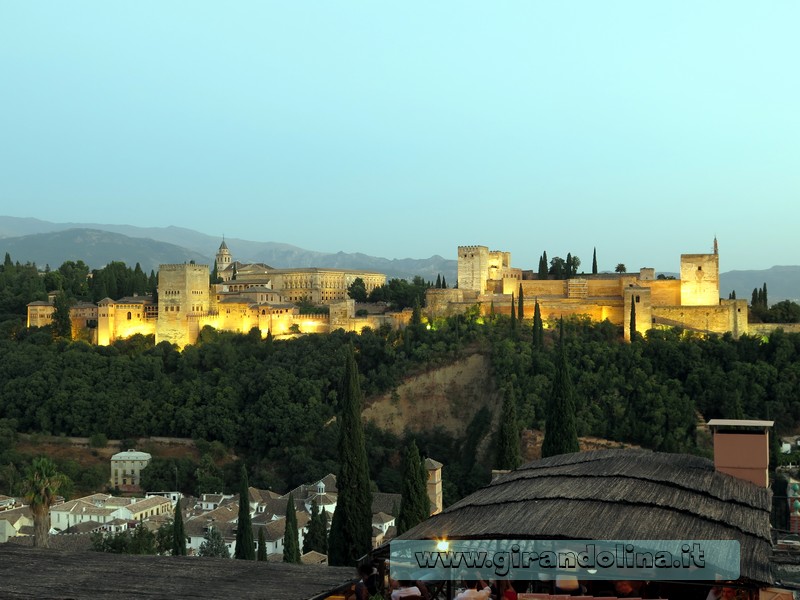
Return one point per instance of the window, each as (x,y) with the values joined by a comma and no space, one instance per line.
(637,299)
(129,316)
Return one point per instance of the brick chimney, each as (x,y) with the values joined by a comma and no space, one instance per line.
(741,448)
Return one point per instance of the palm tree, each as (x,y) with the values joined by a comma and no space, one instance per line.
(41,485)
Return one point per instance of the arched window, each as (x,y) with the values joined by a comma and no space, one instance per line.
(129,316)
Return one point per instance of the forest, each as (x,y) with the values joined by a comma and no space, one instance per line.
(274,402)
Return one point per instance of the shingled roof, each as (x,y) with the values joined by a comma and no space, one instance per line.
(49,574)
(615,495)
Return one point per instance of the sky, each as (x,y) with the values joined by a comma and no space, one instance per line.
(406,129)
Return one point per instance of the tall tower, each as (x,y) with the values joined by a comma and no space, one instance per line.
(700,278)
(224,258)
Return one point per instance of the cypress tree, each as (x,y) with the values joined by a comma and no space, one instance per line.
(351,529)
(594,261)
(324,535)
(520,305)
(538,326)
(415,506)
(178,532)
(291,545)
(569,266)
(765,300)
(561,434)
(245,547)
(633,318)
(543,270)
(754,299)
(509,451)
(513,315)
(438,282)
(261,555)
(444,283)
(316,537)
(416,314)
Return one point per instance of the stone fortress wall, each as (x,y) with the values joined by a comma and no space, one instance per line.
(261,298)
(692,302)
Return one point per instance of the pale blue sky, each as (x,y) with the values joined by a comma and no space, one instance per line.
(405,129)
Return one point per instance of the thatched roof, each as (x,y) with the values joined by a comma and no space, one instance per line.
(49,574)
(615,495)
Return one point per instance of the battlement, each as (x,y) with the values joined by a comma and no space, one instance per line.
(183,267)
(472,248)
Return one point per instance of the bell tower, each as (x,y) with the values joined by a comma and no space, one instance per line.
(223,259)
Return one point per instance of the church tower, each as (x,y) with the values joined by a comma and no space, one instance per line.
(223,260)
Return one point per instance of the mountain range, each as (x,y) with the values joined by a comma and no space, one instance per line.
(47,243)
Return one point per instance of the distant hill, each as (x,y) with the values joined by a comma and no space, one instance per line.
(96,248)
(783,283)
(28,239)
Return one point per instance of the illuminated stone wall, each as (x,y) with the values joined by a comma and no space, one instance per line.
(183,292)
(320,286)
(699,279)
(473,268)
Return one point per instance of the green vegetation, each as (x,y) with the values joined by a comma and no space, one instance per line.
(351,527)
(245,546)
(291,539)
(415,506)
(41,486)
(509,452)
(213,545)
(317,536)
(561,434)
(274,402)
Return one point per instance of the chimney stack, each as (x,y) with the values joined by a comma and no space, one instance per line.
(741,448)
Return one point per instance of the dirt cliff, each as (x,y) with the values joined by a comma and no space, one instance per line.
(446,397)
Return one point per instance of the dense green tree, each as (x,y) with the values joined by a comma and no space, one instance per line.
(415,506)
(351,529)
(521,305)
(214,545)
(357,290)
(438,284)
(561,435)
(558,267)
(543,269)
(41,485)
(245,546)
(594,261)
(620,268)
(291,540)
(62,322)
(317,537)
(509,451)
(178,532)
(444,283)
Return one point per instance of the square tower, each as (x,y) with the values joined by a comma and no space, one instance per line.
(183,297)
(699,279)
(473,268)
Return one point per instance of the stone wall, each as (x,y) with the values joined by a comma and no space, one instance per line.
(473,267)
(699,279)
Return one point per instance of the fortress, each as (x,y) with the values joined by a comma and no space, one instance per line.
(257,296)
(248,296)
(692,302)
